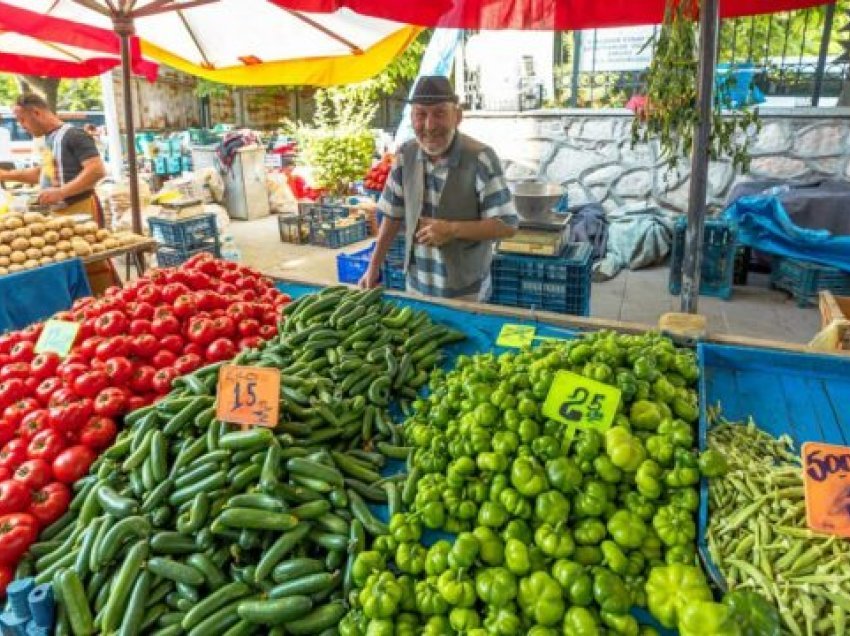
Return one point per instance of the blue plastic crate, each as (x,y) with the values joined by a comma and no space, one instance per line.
(170,257)
(551,283)
(718,257)
(393,276)
(351,267)
(328,235)
(804,280)
(795,393)
(184,234)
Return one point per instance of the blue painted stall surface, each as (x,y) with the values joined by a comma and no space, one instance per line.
(806,396)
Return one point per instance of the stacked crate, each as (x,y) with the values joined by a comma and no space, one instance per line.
(180,239)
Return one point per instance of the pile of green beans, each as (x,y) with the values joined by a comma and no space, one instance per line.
(758,537)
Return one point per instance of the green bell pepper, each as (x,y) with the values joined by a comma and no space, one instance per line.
(540,599)
(518,529)
(644,368)
(408,597)
(588,444)
(672,588)
(554,541)
(574,580)
(614,558)
(546,447)
(382,595)
(591,499)
(457,588)
(645,415)
(551,507)
(438,626)
(706,618)
(505,443)
(354,623)
(609,592)
(627,529)
(686,408)
(663,390)
(648,479)
(674,525)
(685,498)
(678,432)
(437,559)
(621,624)
(685,554)
(491,549)
(712,464)
(638,504)
(580,621)
(660,448)
(564,474)
(588,555)
(590,531)
(385,544)
(515,504)
(460,470)
(410,557)
(517,559)
(433,514)
(429,601)
(405,528)
(492,514)
(528,477)
(366,564)
(380,627)
(495,586)
(464,620)
(464,551)
(606,470)
(624,449)
(502,621)
(491,462)
(753,613)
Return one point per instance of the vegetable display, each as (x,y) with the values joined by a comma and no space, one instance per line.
(186,525)
(758,538)
(555,532)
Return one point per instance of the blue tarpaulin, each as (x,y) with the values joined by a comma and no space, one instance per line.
(35,294)
(763,224)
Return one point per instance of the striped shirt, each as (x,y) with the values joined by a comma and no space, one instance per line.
(427,272)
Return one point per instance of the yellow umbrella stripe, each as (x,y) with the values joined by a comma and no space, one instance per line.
(316,71)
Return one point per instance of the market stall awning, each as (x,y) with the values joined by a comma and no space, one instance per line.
(253,42)
(36,44)
(544,15)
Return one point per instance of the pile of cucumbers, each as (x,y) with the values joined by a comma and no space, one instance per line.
(190,526)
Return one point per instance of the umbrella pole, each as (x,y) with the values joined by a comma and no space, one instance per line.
(124,28)
(699,157)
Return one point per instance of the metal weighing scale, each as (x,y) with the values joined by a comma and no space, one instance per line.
(542,231)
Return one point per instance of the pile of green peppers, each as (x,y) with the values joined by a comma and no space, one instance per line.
(556,531)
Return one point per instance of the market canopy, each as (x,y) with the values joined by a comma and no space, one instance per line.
(35,44)
(250,42)
(544,15)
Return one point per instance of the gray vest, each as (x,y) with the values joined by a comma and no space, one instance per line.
(467,262)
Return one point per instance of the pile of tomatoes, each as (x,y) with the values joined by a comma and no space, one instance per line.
(56,414)
(376,178)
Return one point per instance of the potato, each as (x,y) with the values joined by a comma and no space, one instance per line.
(37,229)
(33,217)
(13,222)
(23,232)
(68,221)
(66,232)
(7,236)
(111,244)
(14,267)
(20,244)
(97,248)
(33,253)
(5,250)
(5,261)
(81,249)
(90,238)
(102,234)
(45,260)
(49,250)
(60,256)
(54,224)
(37,241)
(51,236)
(3,271)
(18,257)
(30,264)
(89,227)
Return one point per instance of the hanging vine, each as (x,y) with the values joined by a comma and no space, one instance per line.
(670,112)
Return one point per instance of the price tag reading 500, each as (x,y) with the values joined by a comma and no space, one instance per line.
(248,395)
(581,402)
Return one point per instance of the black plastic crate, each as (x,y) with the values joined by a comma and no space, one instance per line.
(184,234)
(552,283)
(170,257)
(804,280)
(718,257)
(329,234)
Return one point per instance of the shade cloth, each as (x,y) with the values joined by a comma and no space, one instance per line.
(35,294)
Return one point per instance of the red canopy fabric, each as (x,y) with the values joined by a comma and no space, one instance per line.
(543,15)
(94,51)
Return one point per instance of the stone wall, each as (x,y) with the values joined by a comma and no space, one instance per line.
(590,152)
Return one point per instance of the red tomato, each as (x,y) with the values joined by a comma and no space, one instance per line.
(187,363)
(171,292)
(70,371)
(148,294)
(17,532)
(33,473)
(140,311)
(46,388)
(110,402)
(201,331)
(139,326)
(70,418)
(46,445)
(8,432)
(16,412)
(22,351)
(172,342)
(135,402)
(248,294)
(14,496)
(163,378)
(249,327)
(9,340)
(11,391)
(220,349)
(163,326)
(113,348)
(145,346)
(34,422)
(15,370)
(142,379)
(91,383)
(194,348)
(62,396)
(118,370)
(224,327)
(251,342)
(185,306)
(267,332)
(13,454)
(163,358)
(44,365)
(111,323)
(98,433)
(73,463)
(50,502)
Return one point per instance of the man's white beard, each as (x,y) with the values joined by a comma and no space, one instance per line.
(439,152)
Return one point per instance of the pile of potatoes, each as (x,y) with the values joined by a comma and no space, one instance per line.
(32,240)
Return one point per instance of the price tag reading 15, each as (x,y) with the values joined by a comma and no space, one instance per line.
(581,402)
(248,395)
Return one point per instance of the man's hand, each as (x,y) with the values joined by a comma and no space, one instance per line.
(370,279)
(49,196)
(434,232)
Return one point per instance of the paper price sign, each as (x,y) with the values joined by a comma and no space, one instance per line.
(248,395)
(826,474)
(57,337)
(518,336)
(581,402)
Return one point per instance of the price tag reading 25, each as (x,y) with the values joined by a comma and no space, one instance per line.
(248,395)
(581,402)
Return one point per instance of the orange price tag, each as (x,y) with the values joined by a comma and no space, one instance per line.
(826,473)
(248,395)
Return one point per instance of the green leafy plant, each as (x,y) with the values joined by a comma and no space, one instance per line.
(671,110)
(338,145)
